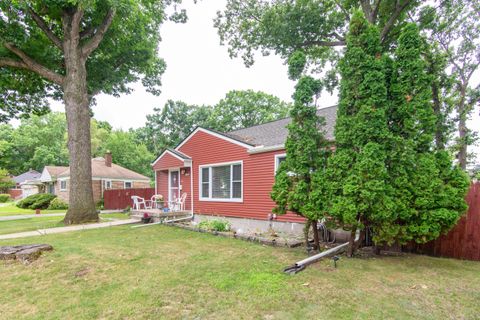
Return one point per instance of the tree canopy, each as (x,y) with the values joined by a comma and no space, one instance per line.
(242,109)
(167,126)
(40,141)
(73,50)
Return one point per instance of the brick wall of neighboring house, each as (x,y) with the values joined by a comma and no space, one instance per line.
(62,194)
(140,184)
(118,185)
(97,190)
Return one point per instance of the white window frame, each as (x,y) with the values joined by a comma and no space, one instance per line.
(277,163)
(125,184)
(105,184)
(61,188)
(210,166)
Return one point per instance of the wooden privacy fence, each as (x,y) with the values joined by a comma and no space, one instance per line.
(122,198)
(463,241)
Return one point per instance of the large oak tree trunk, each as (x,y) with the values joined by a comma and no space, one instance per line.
(81,205)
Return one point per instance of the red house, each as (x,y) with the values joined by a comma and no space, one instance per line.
(230,174)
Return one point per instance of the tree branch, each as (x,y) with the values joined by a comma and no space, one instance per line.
(375,10)
(345,12)
(393,18)
(322,43)
(367,9)
(30,64)
(87,33)
(94,42)
(7,62)
(43,25)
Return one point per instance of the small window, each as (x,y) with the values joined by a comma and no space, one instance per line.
(279,158)
(108,184)
(63,185)
(128,185)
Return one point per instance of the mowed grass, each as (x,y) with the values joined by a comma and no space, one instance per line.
(11,209)
(162,272)
(46,222)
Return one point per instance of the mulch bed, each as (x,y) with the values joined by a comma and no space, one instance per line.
(260,238)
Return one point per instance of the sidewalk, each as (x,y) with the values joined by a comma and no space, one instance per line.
(42,232)
(28,216)
(59,214)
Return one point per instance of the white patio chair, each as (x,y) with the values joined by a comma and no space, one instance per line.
(138,202)
(178,204)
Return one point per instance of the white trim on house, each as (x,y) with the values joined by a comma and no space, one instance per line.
(210,184)
(104,184)
(156,189)
(191,187)
(172,154)
(125,184)
(278,156)
(215,134)
(179,187)
(261,149)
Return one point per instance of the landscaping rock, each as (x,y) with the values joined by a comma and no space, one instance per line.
(24,253)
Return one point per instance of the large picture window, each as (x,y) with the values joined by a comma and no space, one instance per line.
(221,182)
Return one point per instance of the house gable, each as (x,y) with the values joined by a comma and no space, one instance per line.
(214,134)
(46,177)
(169,159)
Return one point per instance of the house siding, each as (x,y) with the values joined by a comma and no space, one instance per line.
(258,178)
(162,185)
(168,161)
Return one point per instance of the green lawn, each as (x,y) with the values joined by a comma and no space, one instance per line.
(11,209)
(36,223)
(163,272)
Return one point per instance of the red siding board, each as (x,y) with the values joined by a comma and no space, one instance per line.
(258,177)
(168,161)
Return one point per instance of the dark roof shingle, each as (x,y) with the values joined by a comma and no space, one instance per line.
(29,175)
(275,132)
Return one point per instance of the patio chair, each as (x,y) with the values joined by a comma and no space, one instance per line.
(178,204)
(138,202)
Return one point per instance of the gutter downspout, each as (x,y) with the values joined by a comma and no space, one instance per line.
(302,264)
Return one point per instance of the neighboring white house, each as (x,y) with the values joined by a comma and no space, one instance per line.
(30,187)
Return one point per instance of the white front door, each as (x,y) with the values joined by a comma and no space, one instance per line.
(173,184)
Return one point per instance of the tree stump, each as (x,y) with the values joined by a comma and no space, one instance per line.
(25,253)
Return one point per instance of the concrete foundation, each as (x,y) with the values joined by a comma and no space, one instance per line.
(242,225)
(251,226)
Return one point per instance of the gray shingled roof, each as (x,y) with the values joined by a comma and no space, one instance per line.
(180,154)
(29,175)
(275,132)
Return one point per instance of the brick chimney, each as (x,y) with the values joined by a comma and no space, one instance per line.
(108,159)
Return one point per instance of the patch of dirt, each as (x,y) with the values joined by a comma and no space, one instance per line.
(369,253)
(82,273)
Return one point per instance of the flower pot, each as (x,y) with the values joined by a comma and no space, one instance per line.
(147,220)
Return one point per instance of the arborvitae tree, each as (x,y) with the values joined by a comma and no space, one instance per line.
(361,195)
(428,191)
(306,153)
